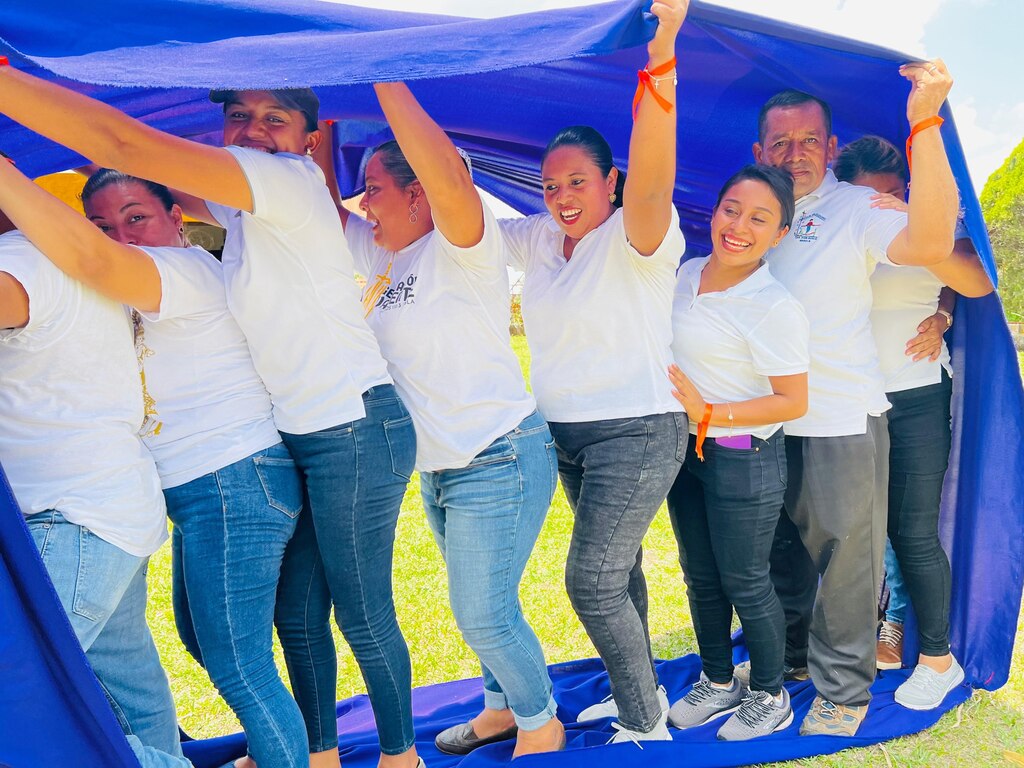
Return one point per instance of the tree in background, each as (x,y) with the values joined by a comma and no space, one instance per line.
(1002,202)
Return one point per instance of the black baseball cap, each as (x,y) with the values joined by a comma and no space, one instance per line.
(303,100)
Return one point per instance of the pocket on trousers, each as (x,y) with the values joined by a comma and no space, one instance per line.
(281,483)
(104,573)
(401,437)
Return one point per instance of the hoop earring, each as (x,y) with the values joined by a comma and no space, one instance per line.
(611,197)
(414,208)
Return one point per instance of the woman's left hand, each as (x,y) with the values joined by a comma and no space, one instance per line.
(887,202)
(928,342)
(685,392)
(671,15)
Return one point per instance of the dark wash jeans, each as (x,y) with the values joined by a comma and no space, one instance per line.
(355,476)
(919,439)
(616,473)
(724,511)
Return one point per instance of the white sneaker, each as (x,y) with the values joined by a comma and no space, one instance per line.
(925,688)
(608,708)
(658,733)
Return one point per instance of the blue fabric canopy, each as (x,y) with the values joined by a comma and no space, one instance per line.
(502,88)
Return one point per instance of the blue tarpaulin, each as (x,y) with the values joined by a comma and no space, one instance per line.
(502,88)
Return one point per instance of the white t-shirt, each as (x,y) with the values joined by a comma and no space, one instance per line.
(443,328)
(71,406)
(206,407)
(903,297)
(600,324)
(291,287)
(729,342)
(826,262)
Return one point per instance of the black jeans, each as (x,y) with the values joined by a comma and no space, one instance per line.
(919,436)
(724,512)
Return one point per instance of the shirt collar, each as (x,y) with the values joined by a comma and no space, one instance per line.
(756,282)
(829,183)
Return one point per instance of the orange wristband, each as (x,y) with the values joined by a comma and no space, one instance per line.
(4,61)
(928,122)
(702,430)
(644,84)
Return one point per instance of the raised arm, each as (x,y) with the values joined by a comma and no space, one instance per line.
(78,247)
(963,271)
(114,140)
(933,203)
(454,202)
(323,156)
(647,195)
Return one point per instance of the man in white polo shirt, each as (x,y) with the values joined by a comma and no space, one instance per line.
(838,452)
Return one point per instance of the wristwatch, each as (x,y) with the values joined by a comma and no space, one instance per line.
(947,315)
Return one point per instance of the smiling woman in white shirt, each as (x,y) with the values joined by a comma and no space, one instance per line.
(232,489)
(597,301)
(741,361)
(291,288)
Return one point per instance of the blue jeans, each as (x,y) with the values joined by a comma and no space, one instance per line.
(486,518)
(342,551)
(724,511)
(616,474)
(896,610)
(230,531)
(103,591)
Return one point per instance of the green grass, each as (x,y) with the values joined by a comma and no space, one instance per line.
(973,735)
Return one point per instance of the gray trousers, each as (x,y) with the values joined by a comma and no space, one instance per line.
(837,499)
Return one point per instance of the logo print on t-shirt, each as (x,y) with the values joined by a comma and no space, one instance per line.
(806,228)
(151,425)
(398,295)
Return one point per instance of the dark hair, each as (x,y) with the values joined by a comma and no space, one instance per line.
(394,162)
(778,181)
(792,98)
(302,100)
(104,177)
(594,144)
(869,154)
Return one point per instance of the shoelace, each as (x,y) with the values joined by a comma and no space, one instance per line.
(756,706)
(631,735)
(827,710)
(700,691)
(890,635)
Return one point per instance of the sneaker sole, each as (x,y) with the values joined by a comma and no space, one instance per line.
(924,707)
(780,727)
(713,717)
(884,665)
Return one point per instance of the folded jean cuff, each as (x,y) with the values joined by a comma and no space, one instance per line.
(533,722)
(495,700)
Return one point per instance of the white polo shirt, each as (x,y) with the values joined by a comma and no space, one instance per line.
(903,297)
(600,324)
(206,407)
(729,342)
(442,325)
(826,262)
(291,287)
(71,406)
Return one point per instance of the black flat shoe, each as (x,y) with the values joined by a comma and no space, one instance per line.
(462,739)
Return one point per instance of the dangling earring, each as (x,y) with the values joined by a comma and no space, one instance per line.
(611,197)
(414,208)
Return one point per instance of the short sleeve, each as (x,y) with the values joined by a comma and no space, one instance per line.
(282,186)
(50,291)
(359,236)
(517,234)
(191,283)
(672,246)
(488,255)
(779,343)
(876,229)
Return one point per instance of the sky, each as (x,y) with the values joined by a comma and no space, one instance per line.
(978,39)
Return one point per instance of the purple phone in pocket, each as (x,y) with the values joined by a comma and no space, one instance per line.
(734,441)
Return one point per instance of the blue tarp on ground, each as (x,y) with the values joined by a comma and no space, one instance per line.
(502,88)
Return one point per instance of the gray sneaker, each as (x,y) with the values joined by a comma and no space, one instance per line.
(926,688)
(705,702)
(789,674)
(758,715)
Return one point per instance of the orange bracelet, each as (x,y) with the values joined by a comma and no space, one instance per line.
(4,61)
(928,122)
(702,430)
(644,84)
